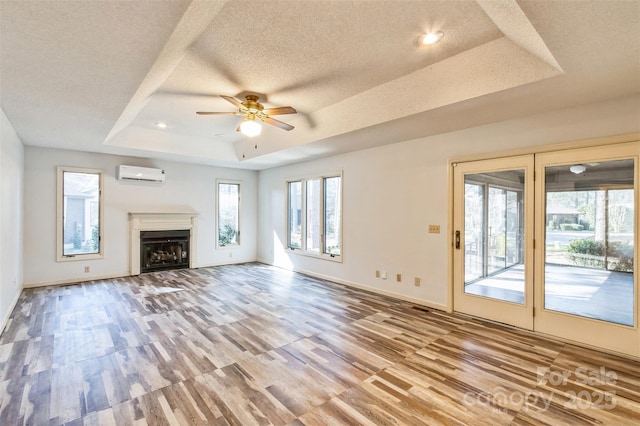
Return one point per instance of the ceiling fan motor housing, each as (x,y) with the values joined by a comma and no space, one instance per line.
(252,103)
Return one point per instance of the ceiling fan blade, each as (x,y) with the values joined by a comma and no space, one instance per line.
(232,100)
(217,113)
(280,110)
(278,123)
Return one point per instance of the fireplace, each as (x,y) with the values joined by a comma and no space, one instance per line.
(160,226)
(162,250)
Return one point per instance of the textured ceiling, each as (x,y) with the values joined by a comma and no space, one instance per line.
(97,76)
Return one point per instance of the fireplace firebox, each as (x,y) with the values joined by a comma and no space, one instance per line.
(163,250)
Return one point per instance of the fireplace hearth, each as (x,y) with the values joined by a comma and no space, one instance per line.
(164,250)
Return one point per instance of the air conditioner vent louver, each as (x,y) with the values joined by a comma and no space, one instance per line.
(141,174)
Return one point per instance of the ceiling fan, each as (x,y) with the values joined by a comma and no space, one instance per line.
(251,110)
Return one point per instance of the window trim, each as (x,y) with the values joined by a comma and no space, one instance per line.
(239,236)
(60,256)
(302,251)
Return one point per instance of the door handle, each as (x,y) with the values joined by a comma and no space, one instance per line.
(457,240)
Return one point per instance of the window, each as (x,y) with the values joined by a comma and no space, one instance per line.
(79,214)
(332,216)
(295,215)
(314,210)
(228,214)
(313,215)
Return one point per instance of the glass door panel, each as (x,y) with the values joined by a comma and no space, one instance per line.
(590,238)
(491,268)
(586,287)
(494,226)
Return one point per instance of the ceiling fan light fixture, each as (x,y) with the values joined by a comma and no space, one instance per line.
(250,128)
(577,169)
(431,38)
(251,110)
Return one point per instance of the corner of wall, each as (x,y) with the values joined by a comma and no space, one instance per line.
(11,218)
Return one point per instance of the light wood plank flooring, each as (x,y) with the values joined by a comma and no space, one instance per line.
(255,345)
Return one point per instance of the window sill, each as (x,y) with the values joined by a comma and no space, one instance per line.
(322,256)
(80,257)
(227,246)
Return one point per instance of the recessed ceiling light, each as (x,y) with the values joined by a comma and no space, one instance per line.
(161,125)
(431,38)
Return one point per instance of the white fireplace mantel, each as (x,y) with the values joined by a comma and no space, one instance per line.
(160,221)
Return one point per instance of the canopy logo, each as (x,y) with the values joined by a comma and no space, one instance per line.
(597,394)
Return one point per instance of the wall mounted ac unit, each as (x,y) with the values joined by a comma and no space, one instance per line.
(145,174)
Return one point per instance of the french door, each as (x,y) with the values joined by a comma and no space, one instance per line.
(492,260)
(557,254)
(586,281)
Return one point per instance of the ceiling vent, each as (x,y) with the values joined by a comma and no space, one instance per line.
(144,174)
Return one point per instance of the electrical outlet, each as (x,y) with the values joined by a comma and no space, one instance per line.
(434,229)
(383,275)
(377,274)
(399,278)
(416,282)
(87,269)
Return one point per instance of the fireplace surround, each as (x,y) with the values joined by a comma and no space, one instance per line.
(166,221)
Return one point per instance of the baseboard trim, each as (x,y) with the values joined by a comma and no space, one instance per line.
(112,276)
(235,262)
(360,286)
(75,280)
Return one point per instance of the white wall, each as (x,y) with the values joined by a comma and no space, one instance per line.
(392,193)
(186,185)
(11,209)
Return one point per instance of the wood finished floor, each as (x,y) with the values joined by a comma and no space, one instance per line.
(255,345)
